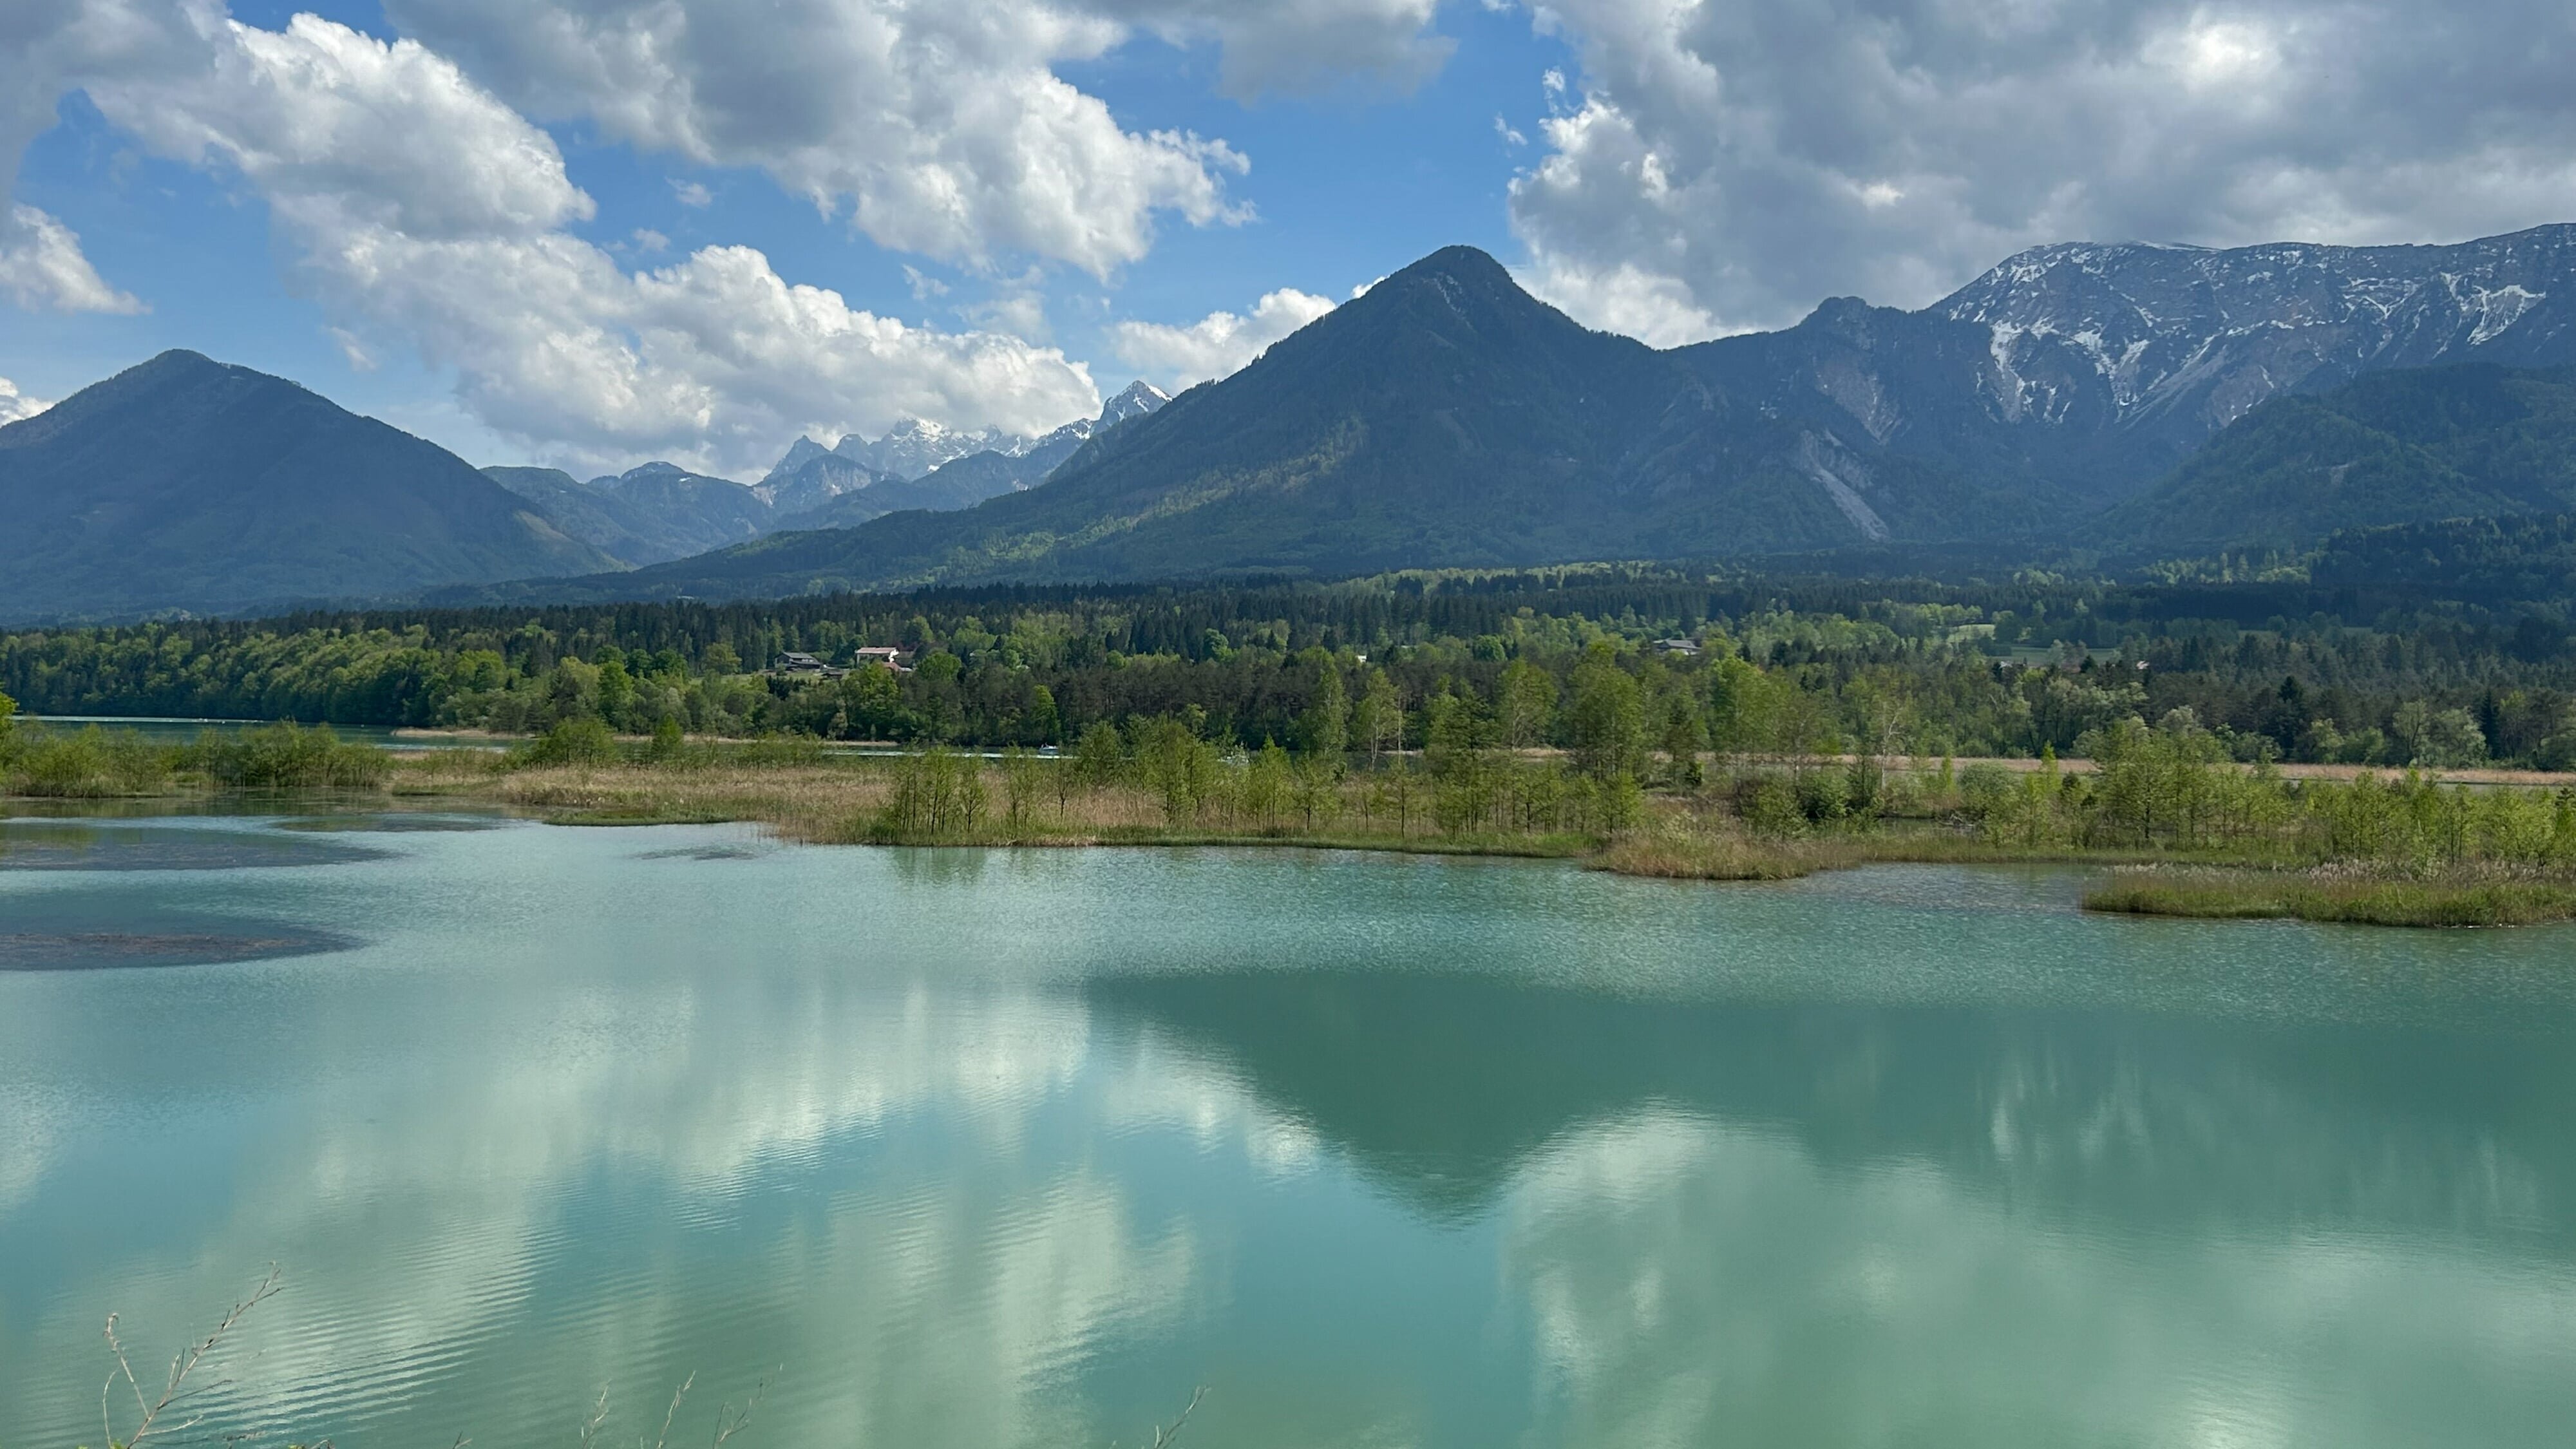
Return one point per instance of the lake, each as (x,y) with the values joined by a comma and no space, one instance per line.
(1006,1148)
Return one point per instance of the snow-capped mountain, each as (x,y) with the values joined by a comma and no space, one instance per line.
(2082,372)
(812,495)
(916,446)
(2205,335)
(1140,398)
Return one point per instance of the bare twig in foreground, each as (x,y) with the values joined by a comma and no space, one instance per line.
(729,1423)
(663,1439)
(175,1393)
(598,1416)
(1164,1437)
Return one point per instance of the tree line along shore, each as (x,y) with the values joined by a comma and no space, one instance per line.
(1655,721)
(2183,828)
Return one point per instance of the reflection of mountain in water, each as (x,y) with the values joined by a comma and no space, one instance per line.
(1443,1089)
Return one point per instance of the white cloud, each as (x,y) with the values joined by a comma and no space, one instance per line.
(1216,345)
(691,194)
(941,129)
(42,268)
(16,406)
(1720,167)
(428,213)
(1653,308)
(42,42)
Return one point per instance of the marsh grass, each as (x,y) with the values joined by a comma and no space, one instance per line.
(2406,851)
(2461,897)
(828,801)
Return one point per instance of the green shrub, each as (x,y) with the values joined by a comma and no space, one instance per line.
(577,741)
(287,757)
(88,764)
(1983,786)
(1771,808)
(936,793)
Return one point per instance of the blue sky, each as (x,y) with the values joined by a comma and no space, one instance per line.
(581,231)
(1344,186)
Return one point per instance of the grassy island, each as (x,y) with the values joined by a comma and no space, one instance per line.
(2358,897)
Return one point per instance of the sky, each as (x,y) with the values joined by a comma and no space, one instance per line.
(588,233)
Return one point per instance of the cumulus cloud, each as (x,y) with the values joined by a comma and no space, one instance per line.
(42,268)
(941,129)
(1216,345)
(1722,167)
(41,41)
(426,211)
(16,406)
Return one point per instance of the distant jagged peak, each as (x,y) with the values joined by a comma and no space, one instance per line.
(799,453)
(1141,397)
(914,447)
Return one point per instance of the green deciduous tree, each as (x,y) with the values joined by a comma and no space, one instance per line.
(1377,721)
(1524,703)
(1324,729)
(1606,720)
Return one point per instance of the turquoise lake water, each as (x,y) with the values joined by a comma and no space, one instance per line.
(966,1148)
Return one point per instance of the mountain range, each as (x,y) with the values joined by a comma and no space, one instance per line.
(2129,401)
(660,511)
(1447,418)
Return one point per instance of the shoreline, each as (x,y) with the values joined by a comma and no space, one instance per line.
(1686,836)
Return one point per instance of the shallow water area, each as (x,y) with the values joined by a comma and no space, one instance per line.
(1002,1148)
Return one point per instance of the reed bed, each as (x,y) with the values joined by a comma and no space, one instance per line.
(2339,894)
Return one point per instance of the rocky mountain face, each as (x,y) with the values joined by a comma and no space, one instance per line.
(916,447)
(2070,377)
(2166,345)
(798,486)
(184,484)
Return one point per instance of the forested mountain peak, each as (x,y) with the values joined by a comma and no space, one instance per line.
(188,484)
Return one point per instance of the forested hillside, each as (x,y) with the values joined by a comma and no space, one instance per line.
(187,484)
(2396,447)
